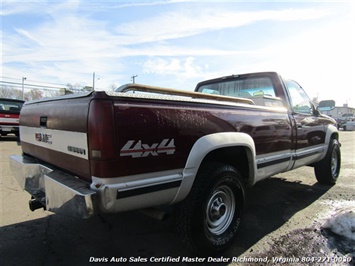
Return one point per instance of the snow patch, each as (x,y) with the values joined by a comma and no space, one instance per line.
(342,224)
(342,220)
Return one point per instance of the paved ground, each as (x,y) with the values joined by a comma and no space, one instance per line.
(283,221)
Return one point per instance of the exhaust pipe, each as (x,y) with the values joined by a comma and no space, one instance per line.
(35,204)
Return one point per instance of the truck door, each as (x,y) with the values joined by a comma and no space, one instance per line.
(309,131)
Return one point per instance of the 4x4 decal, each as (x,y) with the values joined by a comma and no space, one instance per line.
(136,149)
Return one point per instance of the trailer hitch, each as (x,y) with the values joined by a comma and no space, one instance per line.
(37,203)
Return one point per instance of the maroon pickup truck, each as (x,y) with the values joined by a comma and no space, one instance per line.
(142,147)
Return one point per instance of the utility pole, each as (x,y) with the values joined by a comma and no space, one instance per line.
(93,81)
(23,88)
(133,78)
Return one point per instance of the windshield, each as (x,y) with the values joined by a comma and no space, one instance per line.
(10,106)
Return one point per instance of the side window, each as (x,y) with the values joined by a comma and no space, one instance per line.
(299,99)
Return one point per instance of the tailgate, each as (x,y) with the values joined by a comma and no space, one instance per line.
(55,131)
(9,119)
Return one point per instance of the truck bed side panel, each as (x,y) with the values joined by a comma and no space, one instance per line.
(143,129)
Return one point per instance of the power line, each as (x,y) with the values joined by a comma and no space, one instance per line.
(19,84)
(36,81)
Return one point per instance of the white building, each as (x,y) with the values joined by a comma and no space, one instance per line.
(338,112)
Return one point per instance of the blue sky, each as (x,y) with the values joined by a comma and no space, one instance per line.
(179,43)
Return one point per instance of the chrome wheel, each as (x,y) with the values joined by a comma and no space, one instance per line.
(334,163)
(220,210)
(327,170)
(209,218)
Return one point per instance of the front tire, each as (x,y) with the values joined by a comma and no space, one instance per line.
(328,169)
(208,219)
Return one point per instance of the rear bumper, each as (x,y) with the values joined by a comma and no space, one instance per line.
(7,129)
(59,192)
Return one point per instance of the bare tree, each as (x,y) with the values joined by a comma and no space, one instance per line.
(12,93)
(9,92)
(76,88)
(113,86)
(33,94)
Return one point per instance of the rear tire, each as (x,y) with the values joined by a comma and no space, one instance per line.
(328,169)
(208,219)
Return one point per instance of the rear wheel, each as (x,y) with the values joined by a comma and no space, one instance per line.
(328,169)
(208,219)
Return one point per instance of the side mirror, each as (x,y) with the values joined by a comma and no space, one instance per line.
(327,105)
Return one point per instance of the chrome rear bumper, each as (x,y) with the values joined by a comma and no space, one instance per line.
(59,192)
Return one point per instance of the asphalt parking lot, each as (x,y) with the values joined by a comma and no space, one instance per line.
(283,223)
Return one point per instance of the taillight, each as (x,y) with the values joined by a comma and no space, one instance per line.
(101,130)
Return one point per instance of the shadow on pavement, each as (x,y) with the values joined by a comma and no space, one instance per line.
(59,240)
(9,138)
(271,203)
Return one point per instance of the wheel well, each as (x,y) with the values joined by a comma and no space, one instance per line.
(335,136)
(235,156)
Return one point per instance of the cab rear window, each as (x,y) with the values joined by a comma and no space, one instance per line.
(260,90)
(10,106)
